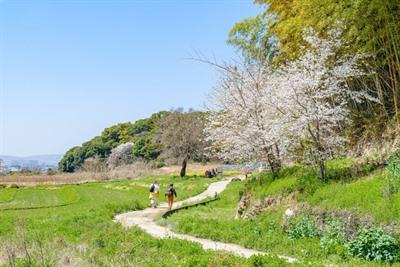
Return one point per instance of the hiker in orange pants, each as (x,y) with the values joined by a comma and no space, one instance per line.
(170,193)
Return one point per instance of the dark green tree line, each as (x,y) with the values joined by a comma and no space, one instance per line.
(165,136)
(140,133)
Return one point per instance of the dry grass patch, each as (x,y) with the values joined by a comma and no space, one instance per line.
(193,168)
(132,171)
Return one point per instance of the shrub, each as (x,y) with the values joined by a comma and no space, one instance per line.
(333,237)
(304,225)
(50,171)
(374,244)
(346,170)
(267,260)
(158,164)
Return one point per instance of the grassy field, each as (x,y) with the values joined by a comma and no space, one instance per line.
(357,191)
(71,225)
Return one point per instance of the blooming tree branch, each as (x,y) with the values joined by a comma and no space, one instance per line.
(260,112)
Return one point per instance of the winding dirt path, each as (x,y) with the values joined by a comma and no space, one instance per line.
(145,219)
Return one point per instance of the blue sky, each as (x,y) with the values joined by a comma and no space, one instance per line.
(69,69)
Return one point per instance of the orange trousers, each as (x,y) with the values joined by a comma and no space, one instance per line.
(170,202)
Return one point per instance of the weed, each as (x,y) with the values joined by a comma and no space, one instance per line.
(304,225)
(374,244)
(333,237)
(268,260)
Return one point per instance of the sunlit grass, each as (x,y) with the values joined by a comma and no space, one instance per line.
(77,219)
(362,195)
(7,195)
(73,223)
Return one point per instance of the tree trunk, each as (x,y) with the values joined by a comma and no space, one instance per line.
(321,162)
(322,169)
(272,163)
(183,169)
(278,157)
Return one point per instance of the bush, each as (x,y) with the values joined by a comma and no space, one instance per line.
(346,170)
(267,260)
(158,164)
(333,237)
(305,225)
(374,244)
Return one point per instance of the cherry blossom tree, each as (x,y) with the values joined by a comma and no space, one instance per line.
(242,126)
(315,96)
(120,155)
(259,111)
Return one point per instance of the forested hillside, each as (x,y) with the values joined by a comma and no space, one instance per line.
(172,136)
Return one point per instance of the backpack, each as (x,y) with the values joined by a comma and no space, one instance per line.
(151,188)
(169,192)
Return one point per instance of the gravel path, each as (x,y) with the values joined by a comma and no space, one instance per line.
(145,219)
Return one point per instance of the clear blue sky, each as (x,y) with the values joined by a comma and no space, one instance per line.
(69,69)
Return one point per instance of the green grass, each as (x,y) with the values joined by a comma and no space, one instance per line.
(73,224)
(363,196)
(39,197)
(217,221)
(353,187)
(7,195)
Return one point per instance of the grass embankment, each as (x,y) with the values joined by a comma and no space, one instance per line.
(336,222)
(71,225)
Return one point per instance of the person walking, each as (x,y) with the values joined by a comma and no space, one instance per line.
(154,193)
(170,193)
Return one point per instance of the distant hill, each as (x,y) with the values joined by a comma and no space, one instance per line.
(51,159)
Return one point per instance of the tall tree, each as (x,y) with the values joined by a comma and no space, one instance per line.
(242,123)
(261,111)
(315,96)
(181,134)
(120,155)
(253,40)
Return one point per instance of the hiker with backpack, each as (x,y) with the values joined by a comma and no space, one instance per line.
(154,194)
(170,193)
